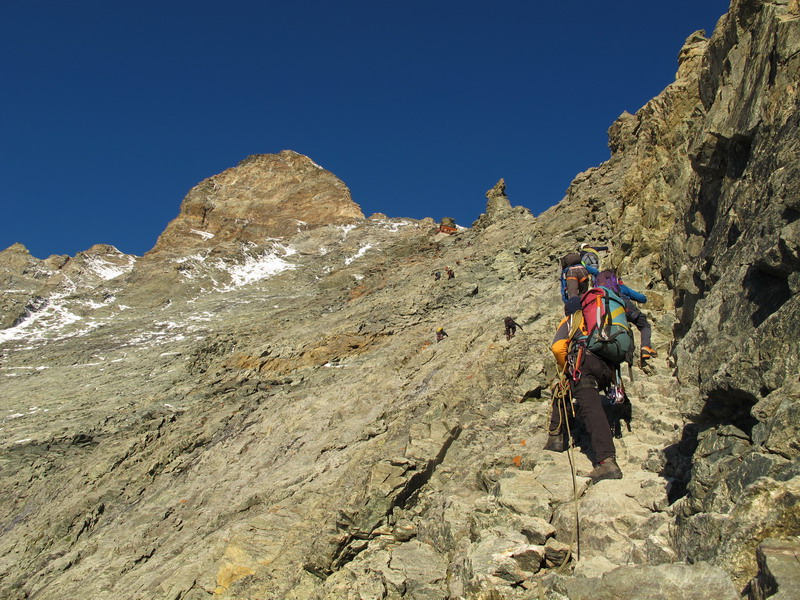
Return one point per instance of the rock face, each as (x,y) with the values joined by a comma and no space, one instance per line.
(250,417)
(265,196)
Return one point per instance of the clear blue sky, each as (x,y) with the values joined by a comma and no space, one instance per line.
(111,111)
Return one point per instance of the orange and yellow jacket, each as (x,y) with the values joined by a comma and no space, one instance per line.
(565,331)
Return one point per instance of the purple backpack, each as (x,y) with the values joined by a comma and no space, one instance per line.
(607,279)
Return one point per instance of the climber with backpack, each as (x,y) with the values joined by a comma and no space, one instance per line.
(574,277)
(590,259)
(632,313)
(590,351)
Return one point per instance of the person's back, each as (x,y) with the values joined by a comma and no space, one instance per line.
(574,276)
(591,361)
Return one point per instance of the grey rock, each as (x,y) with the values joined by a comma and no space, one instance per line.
(695,582)
(523,493)
(556,552)
(778,575)
(492,560)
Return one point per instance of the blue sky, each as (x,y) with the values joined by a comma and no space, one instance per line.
(111,111)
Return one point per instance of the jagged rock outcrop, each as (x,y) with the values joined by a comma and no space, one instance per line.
(273,418)
(707,204)
(498,206)
(264,196)
(497,200)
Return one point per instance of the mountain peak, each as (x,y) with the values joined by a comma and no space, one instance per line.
(264,196)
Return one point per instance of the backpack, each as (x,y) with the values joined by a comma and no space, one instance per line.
(608,279)
(608,331)
(573,258)
(571,268)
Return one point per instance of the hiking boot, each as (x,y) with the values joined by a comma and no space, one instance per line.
(606,469)
(648,353)
(555,443)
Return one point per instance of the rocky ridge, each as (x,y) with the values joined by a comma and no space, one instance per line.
(245,417)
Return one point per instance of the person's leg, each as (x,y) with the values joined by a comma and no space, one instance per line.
(597,376)
(638,319)
(559,423)
(591,412)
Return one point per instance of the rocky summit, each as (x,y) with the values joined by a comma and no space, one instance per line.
(259,408)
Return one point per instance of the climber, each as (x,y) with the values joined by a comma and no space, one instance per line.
(441,334)
(588,373)
(637,317)
(511,327)
(437,275)
(590,258)
(450,272)
(633,313)
(574,279)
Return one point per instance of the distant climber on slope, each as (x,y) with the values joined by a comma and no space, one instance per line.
(450,272)
(441,334)
(511,327)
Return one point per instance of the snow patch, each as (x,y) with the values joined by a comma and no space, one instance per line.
(257,268)
(199,257)
(203,234)
(51,317)
(108,270)
(346,229)
(358,254)
(394,227)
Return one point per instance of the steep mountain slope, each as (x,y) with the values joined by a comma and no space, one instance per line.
(258,407)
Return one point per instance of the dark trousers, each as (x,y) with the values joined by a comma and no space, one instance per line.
(596,375)
(635,316)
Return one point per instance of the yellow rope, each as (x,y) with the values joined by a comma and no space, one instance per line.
(563,403)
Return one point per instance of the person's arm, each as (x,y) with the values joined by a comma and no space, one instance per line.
(560,344)
(632,294)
